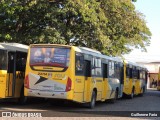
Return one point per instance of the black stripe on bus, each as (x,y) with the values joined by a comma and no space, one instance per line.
(41,79)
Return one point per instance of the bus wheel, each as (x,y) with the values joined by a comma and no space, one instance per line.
(132,94)
(115,97)
(93,100)
(142,92)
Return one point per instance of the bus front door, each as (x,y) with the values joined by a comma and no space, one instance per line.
(11,74)
(87,81)
(3,73)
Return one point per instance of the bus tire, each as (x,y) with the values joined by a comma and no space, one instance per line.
(93,100)
(115,97)
(132,94)
(142,92)
(22,99)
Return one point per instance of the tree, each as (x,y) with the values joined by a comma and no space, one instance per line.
(110,26)
(28,22)
(126,27)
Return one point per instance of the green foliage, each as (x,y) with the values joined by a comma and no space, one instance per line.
(110,26)
(126,27)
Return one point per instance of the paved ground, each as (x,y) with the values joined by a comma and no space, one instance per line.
(149,105)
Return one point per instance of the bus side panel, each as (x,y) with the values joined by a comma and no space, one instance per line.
(99,86)
(128,86)
(87,92)
(105,86)
(79,88)
(113,84)
(128,82)
(131,85)
(3,83)
(79,79)
(26,91)
(108,89)
(137,86)
(81,83)
(92,85)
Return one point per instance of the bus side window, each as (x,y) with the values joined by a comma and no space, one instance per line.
(105,73)
(127,71)
(21,61)
(111,69)
(117,70)
(98,67)
(135,73)
(79,64)
(130,72)
(87,68)
(3,60)
(138,74)
(122,74)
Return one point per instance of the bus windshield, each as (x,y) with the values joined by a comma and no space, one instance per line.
(49,56)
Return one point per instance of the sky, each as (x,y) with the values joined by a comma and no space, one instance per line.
(151,11)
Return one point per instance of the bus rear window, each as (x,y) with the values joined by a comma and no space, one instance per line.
(53,57)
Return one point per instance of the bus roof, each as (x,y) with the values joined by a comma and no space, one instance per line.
(89,50)
(59,45)
(98,54)
(14,47)
(113,58)
(135,64)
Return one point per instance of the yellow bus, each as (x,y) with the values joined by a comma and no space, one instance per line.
(12,70)
(72,73)
(158,82)
(135,79)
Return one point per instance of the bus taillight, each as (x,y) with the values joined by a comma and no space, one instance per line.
(68,85)
(26,82)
